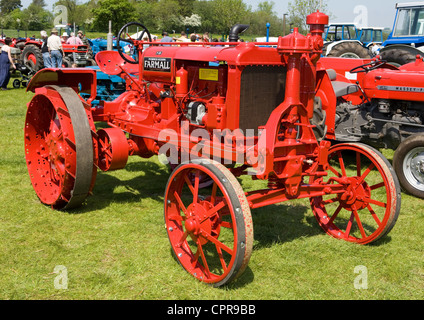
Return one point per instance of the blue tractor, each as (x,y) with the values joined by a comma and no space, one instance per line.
(407,38)
(108,87)
(346,40)
(100,44)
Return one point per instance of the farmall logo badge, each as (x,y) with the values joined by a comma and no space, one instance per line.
(157,64)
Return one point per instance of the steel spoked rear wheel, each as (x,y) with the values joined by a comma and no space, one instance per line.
(59,148)
(368,206)
(210,229)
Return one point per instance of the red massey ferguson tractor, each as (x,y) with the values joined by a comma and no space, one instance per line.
(383,107)
(217,113)
(33,58)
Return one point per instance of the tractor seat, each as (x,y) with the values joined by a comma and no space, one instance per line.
(341,88)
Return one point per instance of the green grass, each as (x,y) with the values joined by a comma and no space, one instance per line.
(116,247)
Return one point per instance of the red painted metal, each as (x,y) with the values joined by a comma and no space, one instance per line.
(177,90)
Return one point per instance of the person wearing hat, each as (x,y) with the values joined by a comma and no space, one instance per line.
(45,50)
(65,37)
(166,38)
(74,40)
(55,48)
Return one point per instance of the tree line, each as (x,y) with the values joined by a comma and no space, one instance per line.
(214,16)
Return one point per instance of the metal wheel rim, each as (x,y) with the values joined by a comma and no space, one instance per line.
(376,216)
(215,231)
(60,148)
(350,55)
(413,168)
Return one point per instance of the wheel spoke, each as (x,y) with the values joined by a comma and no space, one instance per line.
(349,225)
(181,241)
(215,209)
(217,243)
(221,258)
(342,165)
(358,221)
(366,173)
(335,171)
(378,186)
(358,164)
(374,215)
(202,255)
(226,224)
(329,201)
(378,203)
(213,195)
(190,186)
(180,203)
(196,187)
(335,214)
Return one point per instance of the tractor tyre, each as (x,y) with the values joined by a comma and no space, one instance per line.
(66,62)
(91,63)
(32,57)
(397,57)
(60,148)
(350,50)
(319,120)
(408,162)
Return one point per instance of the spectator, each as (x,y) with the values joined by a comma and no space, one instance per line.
(45,50)
(64,37)
(166,37)
(193,37)
(183,37)
(205,37)
(74,40)
(55,48)
(5,62)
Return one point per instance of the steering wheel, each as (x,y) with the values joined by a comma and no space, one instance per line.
(131,41)
(368,66)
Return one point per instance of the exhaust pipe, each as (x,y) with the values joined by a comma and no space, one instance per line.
(236,30)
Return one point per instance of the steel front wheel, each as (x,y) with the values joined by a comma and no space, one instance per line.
(210,229)
(368,204)
(60,148)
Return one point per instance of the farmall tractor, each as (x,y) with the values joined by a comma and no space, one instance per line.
(382,107)
(198,106)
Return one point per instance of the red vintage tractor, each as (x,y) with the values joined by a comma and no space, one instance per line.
(383,107)
(217,112)
(33,58)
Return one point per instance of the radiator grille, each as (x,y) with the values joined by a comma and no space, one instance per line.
(262,90)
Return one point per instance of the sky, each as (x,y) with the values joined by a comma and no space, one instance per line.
(380,13)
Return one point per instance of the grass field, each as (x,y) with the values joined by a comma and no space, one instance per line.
(116,247)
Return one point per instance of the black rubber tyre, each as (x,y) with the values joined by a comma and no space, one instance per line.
(66,62)
(408,162)
(349,50)
(91,63)
(16,83)
(319,120)
(397,57)
(32,57)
